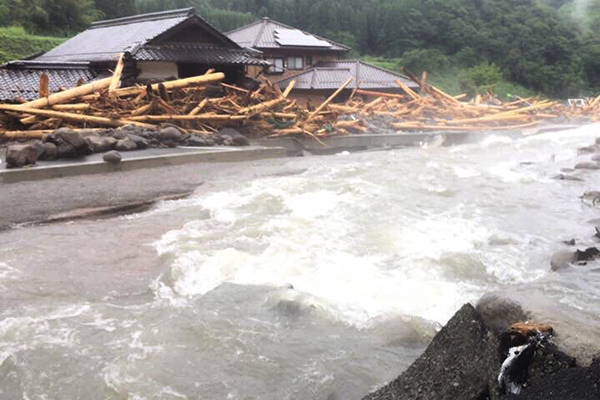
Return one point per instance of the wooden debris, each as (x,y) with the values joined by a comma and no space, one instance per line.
(270,112)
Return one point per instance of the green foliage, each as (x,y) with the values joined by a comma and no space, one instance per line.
(548,46)
(16,44)
(481,78)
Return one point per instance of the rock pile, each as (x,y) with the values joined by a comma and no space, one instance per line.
(66,143)
(465,360)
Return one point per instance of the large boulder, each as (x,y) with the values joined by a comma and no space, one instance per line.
(462,362)
(562,260)
(234,136)
(499,312)
(19,155)
(139,141)
(125,145)
(170,134)
(102,144)
(50,151)
(81,144)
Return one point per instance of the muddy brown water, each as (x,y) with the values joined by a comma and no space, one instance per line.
(321,280)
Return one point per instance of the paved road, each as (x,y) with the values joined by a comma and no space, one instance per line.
(36,201)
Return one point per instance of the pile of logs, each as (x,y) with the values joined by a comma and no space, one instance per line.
(204,105)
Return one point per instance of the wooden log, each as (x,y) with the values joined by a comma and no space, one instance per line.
(67,95)
(468,128)
(44,90)
(411,93)
(379,94)
(279,115)
(235,88)
(73,117)
(347,124)
(329,100)
(530,329)
(116,78)
(179,83)
(262,106)
(288,89)
(199,107)
(344,109)
(503,115)
(142,110)
(34,134)
(72,107)
(199,117)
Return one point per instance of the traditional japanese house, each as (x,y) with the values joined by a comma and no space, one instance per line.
(287,49)
(156,46)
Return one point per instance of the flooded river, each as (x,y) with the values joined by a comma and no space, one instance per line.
(317,278)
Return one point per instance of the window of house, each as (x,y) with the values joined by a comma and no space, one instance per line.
(295,63)
(276,65)
(309,60)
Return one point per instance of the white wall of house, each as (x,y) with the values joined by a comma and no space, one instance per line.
(157,70)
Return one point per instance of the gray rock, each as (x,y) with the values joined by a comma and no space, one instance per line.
(50,151)
(588,165)
(88,133)
(39,147)
(562,260)
(125,145)
(19,155)
(65,150)
(198,140)
(587,150)
(139,141)
(500,312)
(462,362)
(596,157)
(563,177)
(102,144)
(591,198)
(236,138)
(71,137)
(112,157)
(170,134)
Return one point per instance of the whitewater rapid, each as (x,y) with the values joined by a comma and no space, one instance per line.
(312,278)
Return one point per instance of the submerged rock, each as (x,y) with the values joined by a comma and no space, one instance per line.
(587,165)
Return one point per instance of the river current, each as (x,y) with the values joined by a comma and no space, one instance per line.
(317,278)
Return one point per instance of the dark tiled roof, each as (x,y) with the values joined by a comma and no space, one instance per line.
(193,53)
(332,74)
(106,40)
(261,35)
(22,79)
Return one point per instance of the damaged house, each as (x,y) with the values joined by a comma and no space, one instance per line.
(315,63)
(156,46)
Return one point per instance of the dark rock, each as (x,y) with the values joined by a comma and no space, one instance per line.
(39,148)
(563,177)
(88,133)
(597,234)
(119,135)
(462,362)
(170,134)
(587,255)
(112,157)
(568,384)
(547,360)
(198,140)
(587,165)
(65,150)
(571,242)
(50,138)
(587,150)
(139,141)
(499,312)
(562,260)
(236,138)
(19,155)
(567,170)
(125,145)
(50,151)
(591,198)
(71,137)
(101,144)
